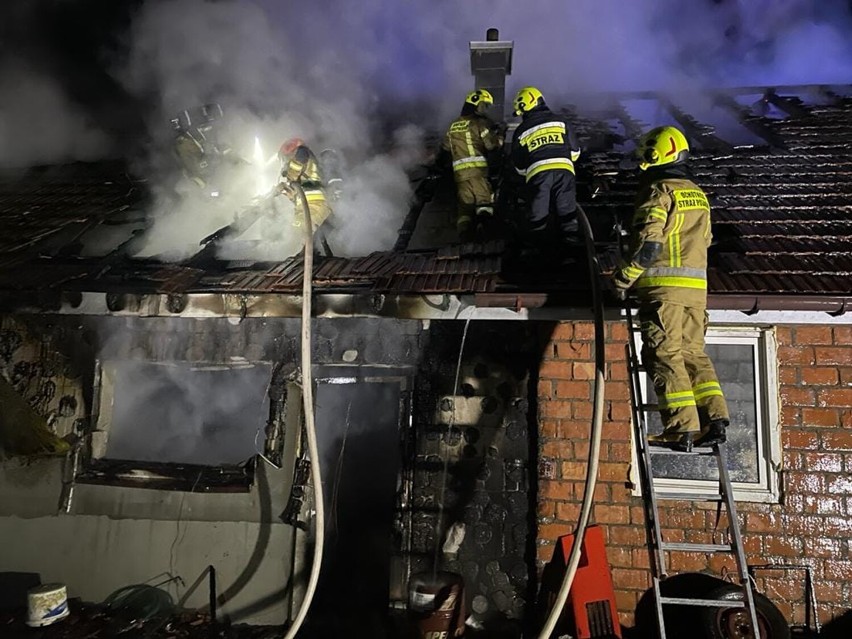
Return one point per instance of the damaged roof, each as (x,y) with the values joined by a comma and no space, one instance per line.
(782,212)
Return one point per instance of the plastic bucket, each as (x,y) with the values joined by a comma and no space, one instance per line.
(46,604)
(436,604)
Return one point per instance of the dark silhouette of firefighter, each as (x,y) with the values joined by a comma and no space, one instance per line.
(666,264)
(544,149)
(200,153)
(469,141)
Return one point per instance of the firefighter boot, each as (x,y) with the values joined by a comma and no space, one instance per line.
(715,434)
(676,441)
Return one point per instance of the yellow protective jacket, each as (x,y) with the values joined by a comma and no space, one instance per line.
(673,212)
(469,139)
(304,168)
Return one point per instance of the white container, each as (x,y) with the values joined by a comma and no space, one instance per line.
(46,604)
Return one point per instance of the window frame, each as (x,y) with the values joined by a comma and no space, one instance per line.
(767,413)
(223,478)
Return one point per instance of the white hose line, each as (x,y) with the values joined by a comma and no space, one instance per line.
(310,425)
(595,436)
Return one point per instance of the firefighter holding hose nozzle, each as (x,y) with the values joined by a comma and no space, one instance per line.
(666,264)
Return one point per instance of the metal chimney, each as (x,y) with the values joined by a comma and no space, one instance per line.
(490,63)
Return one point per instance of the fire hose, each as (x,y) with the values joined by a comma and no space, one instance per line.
(310,425)
(595,435)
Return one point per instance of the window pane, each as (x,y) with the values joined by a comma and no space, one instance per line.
(736,371)
(180,413)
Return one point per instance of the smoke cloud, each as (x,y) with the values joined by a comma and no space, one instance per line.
(332,72)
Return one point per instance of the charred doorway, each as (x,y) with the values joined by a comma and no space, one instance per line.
(360,432)
(472,504)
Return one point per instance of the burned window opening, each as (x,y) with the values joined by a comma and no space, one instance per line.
(182,425)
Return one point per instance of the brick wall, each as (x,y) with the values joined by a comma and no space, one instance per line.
(813,522)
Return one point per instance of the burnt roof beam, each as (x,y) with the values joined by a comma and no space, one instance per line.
(704,133)
(791,106)
(753,123)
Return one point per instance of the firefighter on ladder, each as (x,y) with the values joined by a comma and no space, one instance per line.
(469,140)
(666,264)
(300,166)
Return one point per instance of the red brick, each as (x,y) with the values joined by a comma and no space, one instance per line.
(791,416)
(826,355)
(617,371)
(800,439)
(802,483)
(788,375)
(612,514)
(796,356)
(841,397)
(614,352)
(797,396)
(573,390)
(583,370)
(575,430)
(619,452)
(584,331)
(620,557)
(841,485)
(563,331)
(544,552)
(688,561)
(558,448)
(552,532)
(762,522)
(548,428)
(837,570)
(783,546)
(582,410)
(820,376)
(617,391)
(784,334)
(554,369)
(630,579)
(823,462)
(573,470)
(555,409)
(574,351)
(545,389)
(811,335)
(845,375)
(820,417)
(617,331)
(553,489)
(613,471)
(619,412)
(625,536)
(843,335)
(546,510)
(569,512)
(581,449)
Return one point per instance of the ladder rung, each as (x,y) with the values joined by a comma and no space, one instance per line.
(662,450)
(688,496)
(687,547)
(709,603)
(651,408)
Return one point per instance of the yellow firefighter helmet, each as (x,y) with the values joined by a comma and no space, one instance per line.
(527,99)
(480,96)
(662,146)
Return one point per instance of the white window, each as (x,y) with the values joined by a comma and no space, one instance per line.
(746,364)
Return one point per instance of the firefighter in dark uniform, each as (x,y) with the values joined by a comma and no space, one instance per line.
(544,149)
(666,264)
(469,140)
(299,165)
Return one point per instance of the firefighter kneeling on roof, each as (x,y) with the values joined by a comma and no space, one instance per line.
(666,263)
(300,166)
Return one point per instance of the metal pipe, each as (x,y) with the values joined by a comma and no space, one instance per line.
(596,430)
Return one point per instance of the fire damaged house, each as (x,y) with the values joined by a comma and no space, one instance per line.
(153,429)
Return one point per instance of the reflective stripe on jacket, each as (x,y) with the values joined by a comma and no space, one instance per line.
(468,140)
(544,141)
(675,213)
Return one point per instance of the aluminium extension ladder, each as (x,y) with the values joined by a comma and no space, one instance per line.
(657,546)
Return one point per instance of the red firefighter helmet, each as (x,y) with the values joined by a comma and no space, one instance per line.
(289,148)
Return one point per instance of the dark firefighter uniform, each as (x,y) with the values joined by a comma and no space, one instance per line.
(666,264)
(300,166)
(469,140)
(544,149)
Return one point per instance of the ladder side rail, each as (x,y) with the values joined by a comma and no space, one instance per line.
(734,529)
